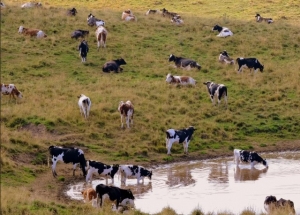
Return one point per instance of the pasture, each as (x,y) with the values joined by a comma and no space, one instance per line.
(263,108)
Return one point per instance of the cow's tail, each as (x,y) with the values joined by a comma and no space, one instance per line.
(225,95)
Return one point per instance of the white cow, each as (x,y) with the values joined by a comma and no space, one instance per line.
(84,104)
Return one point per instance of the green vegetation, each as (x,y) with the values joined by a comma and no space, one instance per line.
(263,108)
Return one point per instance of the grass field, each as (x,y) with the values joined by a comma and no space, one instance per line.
(263,108)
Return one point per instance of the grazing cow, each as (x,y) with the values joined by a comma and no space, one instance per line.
(150,11)
(127,15)
(223,31)
(177,20)
(31,4)
(83,50)
(89,194)
(32,32)
(166,13)
(259,18)
(247,156)
(224,58)
(72,12)
(271,205)
(122,196)
(101,169)
(134,171)
(67,155)
(180,80)
(92,21)
(11,90)
(249,63)
(79,33)
(114,65)
(84,104)
(101,34)
(181,136)
(126,110)
(218,90)
(186,63)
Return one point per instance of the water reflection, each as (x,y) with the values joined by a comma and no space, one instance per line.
(139,189)
(248,174)
(181,176)
(219,173)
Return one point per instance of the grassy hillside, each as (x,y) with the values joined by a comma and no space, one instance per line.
(263,111)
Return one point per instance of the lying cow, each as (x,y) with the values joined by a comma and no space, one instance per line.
(89,194)
(72,12)
(271,205)
(32,32)
(84,104)
(183,136)
(259,18)
(180,80)
(186,63)
(126,110)
(93,21)
(114,65)
(11,90)
(101,169)
(67,155)
(223,31)
(31,4)
(166,13)
(127,15)
(216,91)
(150,11)
(177,20)
(101,34)
(247,156)
(250,63)
(83,50)
(224,58)
(121,196)
(138,172)
(80,33)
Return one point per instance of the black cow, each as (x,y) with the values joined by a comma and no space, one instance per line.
(249,63)
(218,90)
(113,65)
(79,33)
(181,136)
(271,204)
(67,155)
(134,171)
(83,50)
(181,62)
(246,156)
(122,196)
(101,169)
(72,12)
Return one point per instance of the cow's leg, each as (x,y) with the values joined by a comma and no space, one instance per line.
(89,176)
(170,143)
(127,121)
(74,168)
(121,120)
(212,99)
(54,161)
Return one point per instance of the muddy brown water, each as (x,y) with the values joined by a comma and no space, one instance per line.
(213,185)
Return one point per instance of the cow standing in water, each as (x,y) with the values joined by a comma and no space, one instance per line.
(248,157)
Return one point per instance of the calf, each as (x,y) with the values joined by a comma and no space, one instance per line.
(31,4)
(271,205)
(11,90)
(72,12)
(101,169)
(249,63)
(92,21)
(127,15)
(83,50)
(84,104)
(150,11)
(67,155)
(181,136)
(186,63)
(223,31)
(122,196)
(126,110)
(32,32)
(166,13)
(114,65)
(218,90)
(89,194)
(79,33)
(101,34)
(246,156)
(180,80)
(134,171)
(259,18)
(224,58)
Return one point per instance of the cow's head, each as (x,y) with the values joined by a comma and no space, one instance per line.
(121,61)
(261,68)
(129,194)
(21,29)
(169,78)
(172,58)
(224,53)
(149,174)
(217,28)
(270,199)
(257,15)
(90,16)
(164,10)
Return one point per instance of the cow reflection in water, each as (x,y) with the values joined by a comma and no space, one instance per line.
(139,189)
(180,176)
(248,174)
(218,173)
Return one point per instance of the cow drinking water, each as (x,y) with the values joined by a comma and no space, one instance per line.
(134,171)
(248,157)
(101,169)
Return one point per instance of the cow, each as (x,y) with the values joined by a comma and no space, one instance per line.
(92,21)
(224,58)
(32,32)
(126,110)
(247,156)
(67,155)
(72,12)
(101,34)
(180,80)
(79,33)
(218,90)
(138,172)
(150,11)
(259,18)
(31,4)
(223,31)
(11,90)
(181,136)
(166,13)
(249,63)
(83,50)
(127,15)
(101,169)
(84,104)
(177,20)
(121,196)
(89,194)
(271,204)
(114,65)
(186,63)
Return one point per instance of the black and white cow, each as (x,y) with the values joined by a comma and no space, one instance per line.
(151,11)
(259,18)
(186,63)
(249,63)
(223,31)
(134,171)
(247,156)
(67,155)
(79,33)
(114,65)
(224,58)
(271,204)
(83,50)
(122,196)
(92,21)
(181,136)
(216,90)
(101,169)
